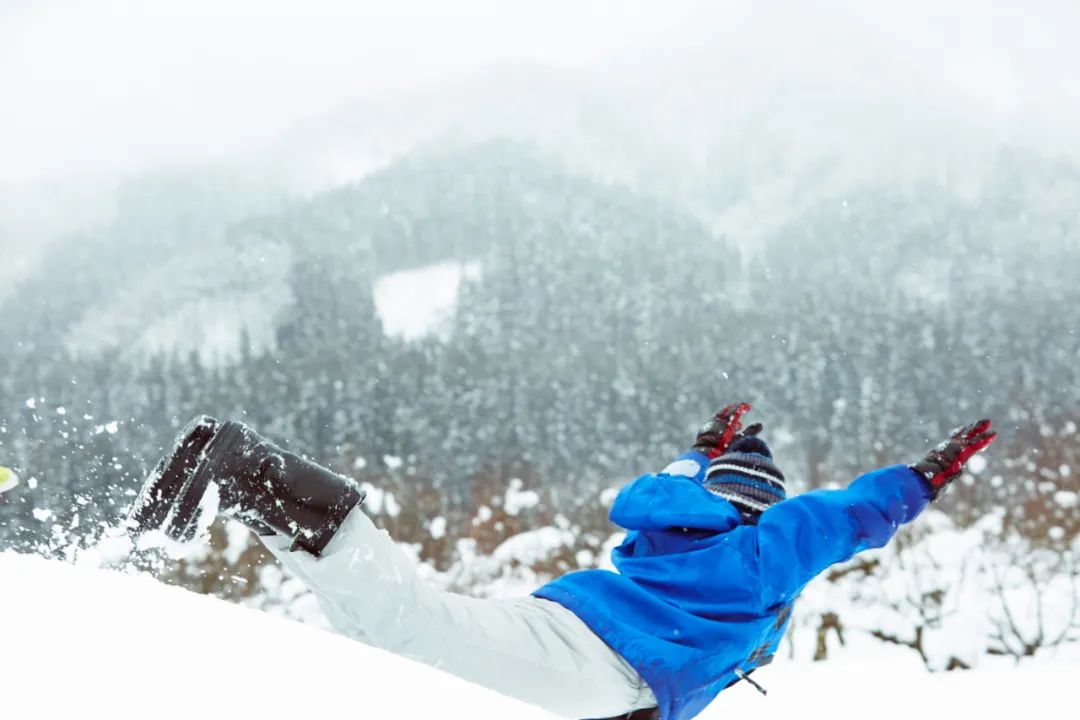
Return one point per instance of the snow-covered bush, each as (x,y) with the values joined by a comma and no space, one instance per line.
(952,595)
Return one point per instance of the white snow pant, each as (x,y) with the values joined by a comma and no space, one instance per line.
(530,649)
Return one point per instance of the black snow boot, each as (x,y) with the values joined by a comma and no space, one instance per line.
(226,468)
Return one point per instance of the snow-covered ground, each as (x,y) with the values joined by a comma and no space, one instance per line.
(420,302)
(81,640)
(85,642)
(884,686)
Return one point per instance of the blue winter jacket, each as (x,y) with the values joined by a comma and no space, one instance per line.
(700,597)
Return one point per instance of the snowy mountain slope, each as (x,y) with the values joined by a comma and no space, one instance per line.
(198,289)
(80,640)
(192,302)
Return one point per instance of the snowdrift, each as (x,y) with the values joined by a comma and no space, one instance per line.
(79,641)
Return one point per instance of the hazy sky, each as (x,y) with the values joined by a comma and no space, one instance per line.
(111,85)
(107,84)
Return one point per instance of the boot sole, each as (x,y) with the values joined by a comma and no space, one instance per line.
(226,442)
(154,506)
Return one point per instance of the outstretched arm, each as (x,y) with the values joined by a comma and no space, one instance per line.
(802,536)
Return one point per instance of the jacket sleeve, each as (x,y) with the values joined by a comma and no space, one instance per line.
(674,498)
(802,536)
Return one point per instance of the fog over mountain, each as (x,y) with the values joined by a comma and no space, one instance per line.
(759,93)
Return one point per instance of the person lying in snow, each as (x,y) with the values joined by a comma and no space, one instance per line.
(714,557)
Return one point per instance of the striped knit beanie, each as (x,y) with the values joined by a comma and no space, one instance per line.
(746,476)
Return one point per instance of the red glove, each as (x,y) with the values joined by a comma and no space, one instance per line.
(720,431)
(945,462)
